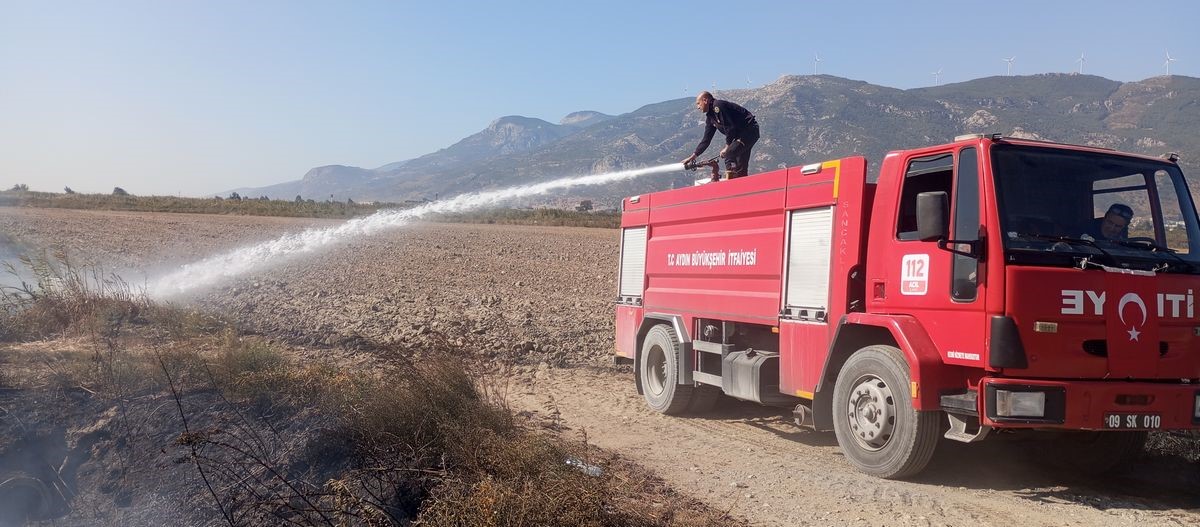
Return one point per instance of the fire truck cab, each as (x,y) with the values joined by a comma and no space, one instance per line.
(974,288)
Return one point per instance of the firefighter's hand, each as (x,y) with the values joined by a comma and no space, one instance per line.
(724,151)
(689,159)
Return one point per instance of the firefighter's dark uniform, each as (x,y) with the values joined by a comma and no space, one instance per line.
(740,130)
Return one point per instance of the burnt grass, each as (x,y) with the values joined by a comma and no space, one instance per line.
(114,410)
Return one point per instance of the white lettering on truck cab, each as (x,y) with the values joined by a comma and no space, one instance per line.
(1170,305)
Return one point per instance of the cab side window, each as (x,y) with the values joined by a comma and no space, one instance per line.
(1174,224)
(965,284)
(926,174)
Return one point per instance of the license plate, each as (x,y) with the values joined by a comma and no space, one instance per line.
(1133,421)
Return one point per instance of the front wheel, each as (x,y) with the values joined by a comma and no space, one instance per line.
(876,425)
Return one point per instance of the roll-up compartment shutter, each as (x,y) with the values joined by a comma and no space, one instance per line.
(633,261)
(808,259)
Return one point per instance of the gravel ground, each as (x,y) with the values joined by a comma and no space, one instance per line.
(542,298)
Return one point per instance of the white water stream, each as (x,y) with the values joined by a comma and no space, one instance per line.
(215,269)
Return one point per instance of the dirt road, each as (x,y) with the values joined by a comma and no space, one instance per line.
(752,461)
(542,297)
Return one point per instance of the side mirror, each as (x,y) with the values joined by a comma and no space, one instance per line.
(932,210)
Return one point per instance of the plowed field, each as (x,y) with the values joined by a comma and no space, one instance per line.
(541,298)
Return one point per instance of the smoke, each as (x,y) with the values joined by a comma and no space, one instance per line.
(213,270)
(12,270)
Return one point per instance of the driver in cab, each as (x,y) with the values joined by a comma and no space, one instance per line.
(1113,226)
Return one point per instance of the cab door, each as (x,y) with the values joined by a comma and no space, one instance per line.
(942,288)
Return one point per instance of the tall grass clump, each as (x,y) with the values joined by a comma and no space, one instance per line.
(54,297)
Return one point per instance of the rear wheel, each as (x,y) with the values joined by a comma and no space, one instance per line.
(659,371)
(876,425)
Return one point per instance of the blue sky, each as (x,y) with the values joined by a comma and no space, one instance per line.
(194,97)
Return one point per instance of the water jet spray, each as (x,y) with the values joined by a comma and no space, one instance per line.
(212,270)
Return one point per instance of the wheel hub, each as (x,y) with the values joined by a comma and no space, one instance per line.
(871,413)
(656,377)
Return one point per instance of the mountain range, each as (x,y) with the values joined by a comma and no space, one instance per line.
(804,119)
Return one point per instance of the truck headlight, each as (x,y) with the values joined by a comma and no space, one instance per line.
(1024,404)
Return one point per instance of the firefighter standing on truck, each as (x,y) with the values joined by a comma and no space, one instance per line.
(736,123)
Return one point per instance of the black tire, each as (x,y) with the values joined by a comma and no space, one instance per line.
(873,416)
(1094,453)
(658,367)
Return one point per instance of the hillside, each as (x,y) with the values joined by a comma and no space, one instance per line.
(803,118)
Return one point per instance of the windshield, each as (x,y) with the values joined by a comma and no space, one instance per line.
(1065,207)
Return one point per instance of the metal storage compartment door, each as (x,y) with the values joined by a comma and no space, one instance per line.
(633,261)
(809,236)
(628,320)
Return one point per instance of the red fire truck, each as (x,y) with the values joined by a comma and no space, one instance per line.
(973,289)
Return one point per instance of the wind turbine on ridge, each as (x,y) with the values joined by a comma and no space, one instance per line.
(816,64)
(1167,64)
(1010,61)
(1081,61)
(937,75)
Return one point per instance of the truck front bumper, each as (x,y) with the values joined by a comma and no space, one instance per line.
(1089,405)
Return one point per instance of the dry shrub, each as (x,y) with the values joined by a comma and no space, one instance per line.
(523,481)
(530,479)
(239,357)
(424,443)
(536,501)
(406,432)
(1185,444)
(6,380)
(174,323)
(112,374)
(251,369)
(434,429)
(419,444)
(434,405)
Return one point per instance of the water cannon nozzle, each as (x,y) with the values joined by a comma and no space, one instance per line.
(712,163)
